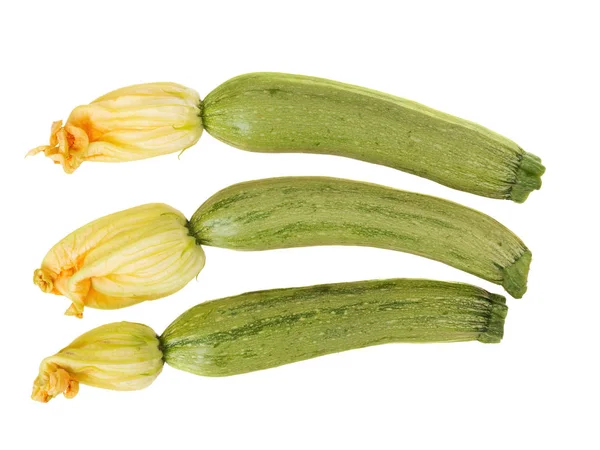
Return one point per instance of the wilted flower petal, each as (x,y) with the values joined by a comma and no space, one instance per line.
(134,122)
(122,356)
(138,254)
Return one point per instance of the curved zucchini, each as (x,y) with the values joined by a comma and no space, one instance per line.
(259,330)
(277,112)
(306,211)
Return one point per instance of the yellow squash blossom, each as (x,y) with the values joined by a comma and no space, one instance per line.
(134,122)
(121,356)
(138,254)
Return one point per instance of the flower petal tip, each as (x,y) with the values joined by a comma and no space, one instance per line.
(44,280)
(67,146)
(52,381)
(74,310)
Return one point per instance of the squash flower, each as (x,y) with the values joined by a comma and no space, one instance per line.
(131,123)
(122,356)
(142,253)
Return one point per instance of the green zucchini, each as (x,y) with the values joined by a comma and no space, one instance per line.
(276,112)
(306,211)
(259,330)
(264,329)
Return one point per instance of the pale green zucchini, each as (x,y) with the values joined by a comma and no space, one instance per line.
(264,329)
(259,330)
(276,112)
(306,211)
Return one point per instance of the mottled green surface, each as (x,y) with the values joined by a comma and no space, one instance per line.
(274,112)
(305,211)
(258,330)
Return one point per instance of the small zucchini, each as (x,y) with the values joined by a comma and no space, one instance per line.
(307,211)
(259,330)
(278,112)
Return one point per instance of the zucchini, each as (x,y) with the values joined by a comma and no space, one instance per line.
(264,329)
(306,211)
(259,330)
(277,112)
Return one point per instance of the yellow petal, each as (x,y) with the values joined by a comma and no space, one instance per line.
(52,381)
(135,122)
(121,356)
(139,254)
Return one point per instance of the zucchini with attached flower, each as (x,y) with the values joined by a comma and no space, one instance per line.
(260,330)
(151,251)
(278,112)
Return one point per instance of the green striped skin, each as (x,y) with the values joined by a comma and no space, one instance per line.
(276,112)
(306,211)
(259,330)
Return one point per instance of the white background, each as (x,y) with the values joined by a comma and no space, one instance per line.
(527,70)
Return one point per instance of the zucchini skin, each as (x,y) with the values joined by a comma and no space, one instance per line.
(264,329)
(277,112)
(290,212)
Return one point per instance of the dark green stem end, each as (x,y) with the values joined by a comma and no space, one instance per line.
(515,275)
(495,328)
(529,177)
